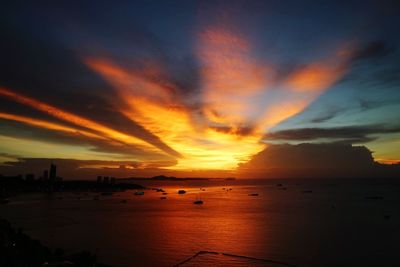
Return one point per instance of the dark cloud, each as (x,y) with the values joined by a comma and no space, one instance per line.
(325,116)
(56,75)
(315,160)
(245,130)
(118,149)
(372,104)
(312,155)
(375,63)
(373,50)
(385,76)
(45,68)
(350,134)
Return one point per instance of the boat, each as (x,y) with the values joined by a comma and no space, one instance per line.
(253,195)
(181,192)
(163,197)
(139,193)
(198,200)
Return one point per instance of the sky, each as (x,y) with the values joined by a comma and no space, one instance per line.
(199,88)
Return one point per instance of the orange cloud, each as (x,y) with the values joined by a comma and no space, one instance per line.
(144,82)
(302,87)
(230,75)
(315,77)
(77,120)
(164,116)
(279,112)
(49,125)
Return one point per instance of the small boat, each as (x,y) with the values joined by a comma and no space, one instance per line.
(159,190)
(253,195)
(307,191)
(198,200)
(165,193)
(163,197)
(181,192)
(139,193)
(107,193)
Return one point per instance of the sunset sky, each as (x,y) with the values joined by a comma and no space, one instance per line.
(198,88)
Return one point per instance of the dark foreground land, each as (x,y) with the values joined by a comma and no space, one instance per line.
(19,250)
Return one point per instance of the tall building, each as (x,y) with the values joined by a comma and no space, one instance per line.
(53,172)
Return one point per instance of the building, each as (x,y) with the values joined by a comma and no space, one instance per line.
(53,172)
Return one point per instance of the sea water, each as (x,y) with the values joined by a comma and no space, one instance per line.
(296,222)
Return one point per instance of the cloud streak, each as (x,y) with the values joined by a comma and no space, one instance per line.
(75,119)
(351,134)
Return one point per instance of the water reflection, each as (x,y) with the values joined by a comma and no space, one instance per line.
(281,225)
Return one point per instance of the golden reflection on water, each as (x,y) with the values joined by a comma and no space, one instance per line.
(176,228)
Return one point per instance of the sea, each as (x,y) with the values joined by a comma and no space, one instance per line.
(318,222)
